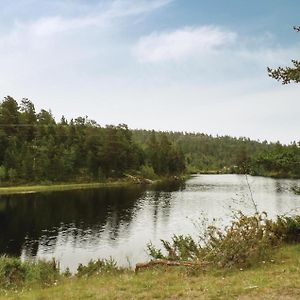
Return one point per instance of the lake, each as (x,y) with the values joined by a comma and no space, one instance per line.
(76,226)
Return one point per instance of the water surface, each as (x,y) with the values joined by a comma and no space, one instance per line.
(76,226)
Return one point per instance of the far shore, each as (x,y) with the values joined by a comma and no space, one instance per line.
(30,189)
(39,188)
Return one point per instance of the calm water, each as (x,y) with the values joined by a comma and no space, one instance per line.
(76,226)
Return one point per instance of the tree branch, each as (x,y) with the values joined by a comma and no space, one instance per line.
(169,263)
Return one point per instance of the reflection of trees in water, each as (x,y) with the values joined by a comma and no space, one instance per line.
(33,221)
(169,186)
(26,221)
(161,203)
(278,187)
(161,199)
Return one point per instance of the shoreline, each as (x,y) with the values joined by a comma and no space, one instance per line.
(127,182)
(274,278)
(32,189)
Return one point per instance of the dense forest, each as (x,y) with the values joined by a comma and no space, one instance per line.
(225,154)
(34,148)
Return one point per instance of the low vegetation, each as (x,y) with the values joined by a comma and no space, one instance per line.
(274,278)
(15,274)
(249,258)
(246,241)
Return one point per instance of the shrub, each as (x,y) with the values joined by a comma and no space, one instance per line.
(180,248)
(97,267)
(247,240)
(42,272)
(288,228)
(14,272)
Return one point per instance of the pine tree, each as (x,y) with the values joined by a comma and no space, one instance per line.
(287,74)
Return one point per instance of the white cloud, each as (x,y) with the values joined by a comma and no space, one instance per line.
(122,8)
(64,59)
(182,43)
(103,14)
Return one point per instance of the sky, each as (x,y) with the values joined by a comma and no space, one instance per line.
(178,65)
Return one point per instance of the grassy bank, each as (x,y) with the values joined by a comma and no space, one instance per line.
(59,187)
(275,278)
(253,258)
(127,181)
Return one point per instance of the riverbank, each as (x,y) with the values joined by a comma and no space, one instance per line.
(275,278)
(29,189)
(125,182)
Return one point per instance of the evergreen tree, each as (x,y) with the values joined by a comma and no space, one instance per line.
(287,74)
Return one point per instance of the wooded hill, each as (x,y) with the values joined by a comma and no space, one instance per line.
(34,148)
(225,154)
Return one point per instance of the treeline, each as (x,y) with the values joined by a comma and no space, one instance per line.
(279,161)
(36,148)
(225,154)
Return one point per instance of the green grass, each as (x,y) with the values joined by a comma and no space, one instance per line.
(276,278)
(59,187)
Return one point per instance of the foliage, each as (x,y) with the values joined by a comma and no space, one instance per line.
(2,173)
(205,153)
(148,172)
(247,240)
(281,161)
(288,74)
(97,267)
(35,148)
(288,228)
(276,278)
(14,272)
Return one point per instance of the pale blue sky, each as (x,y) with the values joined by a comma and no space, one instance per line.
(184,65)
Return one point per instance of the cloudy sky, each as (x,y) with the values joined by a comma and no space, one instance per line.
(184,65)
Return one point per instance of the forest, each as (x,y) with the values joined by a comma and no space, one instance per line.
(35,148)
(224,154)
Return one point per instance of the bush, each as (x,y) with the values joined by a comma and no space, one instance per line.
(14,272)
(42,272)
(97,267)
(247,240)
(180,248)
(288,228)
